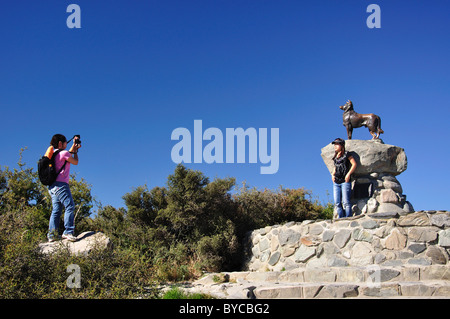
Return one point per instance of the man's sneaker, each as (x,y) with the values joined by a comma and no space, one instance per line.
(52,239)
(69,237)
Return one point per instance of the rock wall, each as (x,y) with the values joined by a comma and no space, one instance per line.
(387,239)
(375,187)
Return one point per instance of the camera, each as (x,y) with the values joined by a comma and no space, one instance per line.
(77,141)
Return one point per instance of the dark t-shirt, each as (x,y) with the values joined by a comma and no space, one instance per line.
(342,165)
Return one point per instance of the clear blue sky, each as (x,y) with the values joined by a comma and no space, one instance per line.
(137,70)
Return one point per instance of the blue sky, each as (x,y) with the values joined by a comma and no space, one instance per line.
(137,70)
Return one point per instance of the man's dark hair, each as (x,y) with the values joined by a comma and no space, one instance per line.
(56,139)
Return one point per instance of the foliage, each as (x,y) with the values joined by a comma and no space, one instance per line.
(177,293)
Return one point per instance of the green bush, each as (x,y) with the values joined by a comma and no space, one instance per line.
(177,293)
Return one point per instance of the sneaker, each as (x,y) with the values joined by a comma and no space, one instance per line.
(52,239)
(69,237)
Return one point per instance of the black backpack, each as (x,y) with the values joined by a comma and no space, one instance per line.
(47,169)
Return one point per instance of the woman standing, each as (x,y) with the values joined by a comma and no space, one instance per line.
(344,166)
(60,191)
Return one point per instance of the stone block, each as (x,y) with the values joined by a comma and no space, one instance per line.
(388,196)
(395,240)
(441,219)
(288,237)
(341,237)
(435,272)
(338,291)
(383,290)
(280,292)
(423,234)
(436,255)
(319,275)
(444,238)
(414,219)
(304,253)
(417,289)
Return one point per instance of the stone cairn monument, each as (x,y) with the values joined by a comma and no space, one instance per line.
(375,188)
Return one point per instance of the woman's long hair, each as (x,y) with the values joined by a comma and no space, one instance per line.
(337,152)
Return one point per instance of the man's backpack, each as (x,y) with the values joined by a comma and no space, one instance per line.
(47,169)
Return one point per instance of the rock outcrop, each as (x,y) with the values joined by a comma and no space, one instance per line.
(375,188)
(85,243)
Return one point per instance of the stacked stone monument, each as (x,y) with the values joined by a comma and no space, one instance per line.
(375,186)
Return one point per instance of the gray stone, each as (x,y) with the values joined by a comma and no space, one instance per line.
(336,261)
(444,238)
(370,224)
(417,289)
(280,292)
(383,274)
(315,229)
(304,253)
(383,231)
(419,261)
(379,258)
(361,254)
(385,215)
(390,290)
(264,244)
(417,248)
(441,220)
(393,263)
(288,237)
(372,205)
(354,224)
(404,254)
(264,256)
(319,275)
(408,207)
(328,235)
(338,291)
(394,185)
(390,208)
(274,258)
(341,237)
(362,235)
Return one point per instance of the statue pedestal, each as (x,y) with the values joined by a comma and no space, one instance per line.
(375,189)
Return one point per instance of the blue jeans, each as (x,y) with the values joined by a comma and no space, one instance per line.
(341,193)
(61,196)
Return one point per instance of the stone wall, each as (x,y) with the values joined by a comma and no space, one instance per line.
(387,239)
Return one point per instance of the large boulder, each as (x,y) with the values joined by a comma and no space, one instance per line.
(372,156)
(85,243)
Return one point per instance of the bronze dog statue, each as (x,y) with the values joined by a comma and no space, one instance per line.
(354,120)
